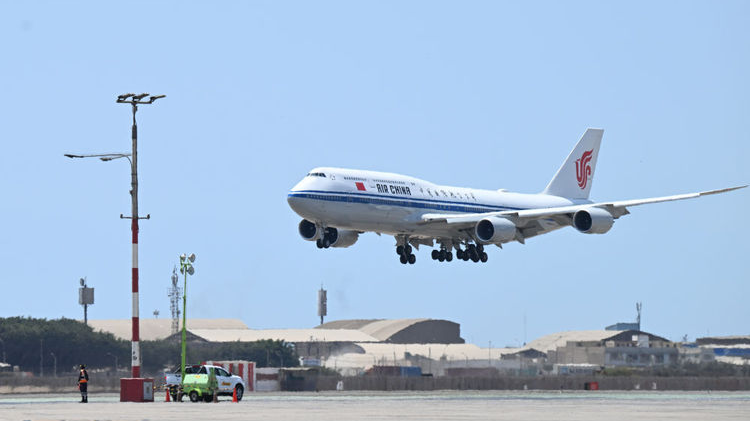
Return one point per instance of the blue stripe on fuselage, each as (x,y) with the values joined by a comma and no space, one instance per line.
(375,199)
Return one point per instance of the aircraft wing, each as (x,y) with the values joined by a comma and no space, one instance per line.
(531,218)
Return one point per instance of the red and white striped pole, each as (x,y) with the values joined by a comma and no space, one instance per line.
(136,348)
(134,100)
(136,324)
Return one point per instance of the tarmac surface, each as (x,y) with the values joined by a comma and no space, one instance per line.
(442,405)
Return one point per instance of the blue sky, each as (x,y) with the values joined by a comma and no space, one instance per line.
(477,94)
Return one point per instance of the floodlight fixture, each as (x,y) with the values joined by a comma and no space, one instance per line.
(182,257)
(140,97)
(192,258)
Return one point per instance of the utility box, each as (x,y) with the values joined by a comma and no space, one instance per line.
(136,390)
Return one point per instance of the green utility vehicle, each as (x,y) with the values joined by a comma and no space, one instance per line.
(201,386)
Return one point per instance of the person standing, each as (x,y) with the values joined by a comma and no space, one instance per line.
(83,384)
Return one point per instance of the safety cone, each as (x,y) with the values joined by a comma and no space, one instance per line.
(167,398)
(234,395)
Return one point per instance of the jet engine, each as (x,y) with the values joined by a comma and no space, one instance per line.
(342,238)
(308,230)
(335,237)
(593,221)
(495,230)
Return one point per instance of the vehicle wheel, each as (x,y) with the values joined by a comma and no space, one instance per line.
(319,243)
(194,396)
(412,259)
(399,250)
(208,398)
(483,257)
(448,256)
(403,259)
(435,254)
(240,390)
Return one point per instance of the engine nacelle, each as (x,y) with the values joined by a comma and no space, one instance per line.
(342,238)
(495,230)
(336,237)
(593,221)
(308,230)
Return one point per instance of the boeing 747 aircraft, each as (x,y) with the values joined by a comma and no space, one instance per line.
(339,204)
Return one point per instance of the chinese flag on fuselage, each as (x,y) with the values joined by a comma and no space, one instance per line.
(360,186)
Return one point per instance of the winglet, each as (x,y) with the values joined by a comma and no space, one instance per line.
(574,178)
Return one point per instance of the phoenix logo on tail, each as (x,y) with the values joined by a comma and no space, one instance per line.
(583,169)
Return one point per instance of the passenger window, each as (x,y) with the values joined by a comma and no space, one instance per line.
(202,370)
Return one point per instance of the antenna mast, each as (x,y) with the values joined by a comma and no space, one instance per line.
(638,307)
(174,294)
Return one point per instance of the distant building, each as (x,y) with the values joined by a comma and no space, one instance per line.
(607,348)
(623,326)
(727,349)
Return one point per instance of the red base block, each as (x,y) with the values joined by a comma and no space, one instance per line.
(136,390)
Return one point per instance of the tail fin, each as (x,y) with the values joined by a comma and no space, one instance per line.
(574,178)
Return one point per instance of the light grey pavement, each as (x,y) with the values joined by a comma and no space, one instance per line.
(446,405)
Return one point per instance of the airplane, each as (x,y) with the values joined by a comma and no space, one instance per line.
(337,205)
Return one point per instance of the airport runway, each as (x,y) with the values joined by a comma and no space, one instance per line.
(445,405)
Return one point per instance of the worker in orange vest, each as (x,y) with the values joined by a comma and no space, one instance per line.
(83,384)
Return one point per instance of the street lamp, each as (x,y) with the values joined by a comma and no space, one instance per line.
(54,358)
(3,342)
(134,100)
(186,268)
(115,356)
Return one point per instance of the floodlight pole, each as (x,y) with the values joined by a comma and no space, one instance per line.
(186,267)
(134,101)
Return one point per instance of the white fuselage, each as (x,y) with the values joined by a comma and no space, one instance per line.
(394,204)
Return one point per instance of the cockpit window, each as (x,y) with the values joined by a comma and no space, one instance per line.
(316,174)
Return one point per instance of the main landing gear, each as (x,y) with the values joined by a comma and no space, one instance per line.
(406,254)
(442,255)
(327,239)
(475,253)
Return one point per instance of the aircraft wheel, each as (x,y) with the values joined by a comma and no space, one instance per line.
(412,259)
(483,257)
(435,254)
(448,256)
(474,257)
(319,243)
(480,248)
(399,250)
(459,254)
(407,249)
(403,259)
(326,242)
